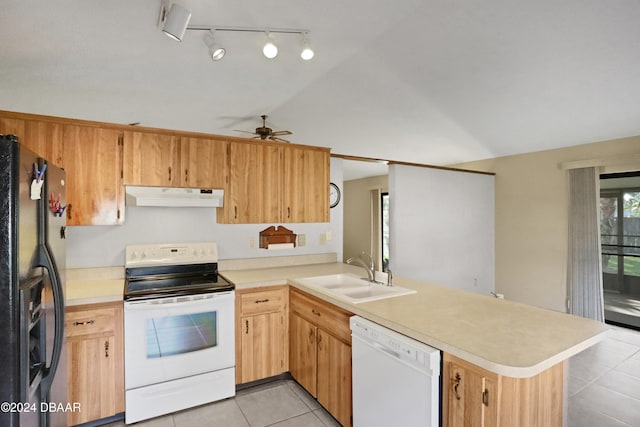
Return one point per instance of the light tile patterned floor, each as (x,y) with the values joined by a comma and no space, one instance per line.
(281,403)
(604,382)
(604,391)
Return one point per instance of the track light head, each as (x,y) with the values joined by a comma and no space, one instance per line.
(270,50)
(216,52)
(176,22)
(307,52)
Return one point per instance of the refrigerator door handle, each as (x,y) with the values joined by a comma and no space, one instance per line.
(46,261)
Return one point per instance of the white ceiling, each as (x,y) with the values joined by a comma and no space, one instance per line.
(431,81)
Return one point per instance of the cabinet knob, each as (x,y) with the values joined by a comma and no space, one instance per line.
(314,311)
(69,208)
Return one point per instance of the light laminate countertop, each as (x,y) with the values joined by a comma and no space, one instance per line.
(502,336)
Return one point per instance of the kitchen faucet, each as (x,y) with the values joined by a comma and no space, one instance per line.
(365,261)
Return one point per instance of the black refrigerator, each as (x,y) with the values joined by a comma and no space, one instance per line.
(32,277)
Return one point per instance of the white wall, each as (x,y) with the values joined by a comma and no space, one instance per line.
(103,246)
(442,227)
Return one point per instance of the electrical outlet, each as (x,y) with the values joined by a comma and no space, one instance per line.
(252,243)
(302,239)
(327,235)
(323,239)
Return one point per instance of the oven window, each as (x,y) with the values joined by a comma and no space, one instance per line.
(171,335)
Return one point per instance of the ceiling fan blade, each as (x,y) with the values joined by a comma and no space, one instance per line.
(282,132)
(243,131)
(275,138)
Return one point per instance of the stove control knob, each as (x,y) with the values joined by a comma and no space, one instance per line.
(134,255)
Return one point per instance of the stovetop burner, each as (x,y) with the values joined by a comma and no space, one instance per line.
(159,271)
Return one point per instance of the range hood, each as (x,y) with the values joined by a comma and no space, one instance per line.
(174,197)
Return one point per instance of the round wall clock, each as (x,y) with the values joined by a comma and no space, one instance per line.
(334,195)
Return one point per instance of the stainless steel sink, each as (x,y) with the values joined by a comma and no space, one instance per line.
(353,288)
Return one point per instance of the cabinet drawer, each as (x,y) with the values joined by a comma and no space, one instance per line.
(90,322)
(322,314)
(262,302)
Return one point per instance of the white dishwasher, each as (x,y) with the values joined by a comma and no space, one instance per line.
(396,380)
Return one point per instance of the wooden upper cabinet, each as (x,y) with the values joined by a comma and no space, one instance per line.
(92,159)
(151,159)
(203,163)
(271,183)
(306,185)
(254,194)
(43,138)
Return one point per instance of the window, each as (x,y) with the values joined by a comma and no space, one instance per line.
(384,217)
(620,237)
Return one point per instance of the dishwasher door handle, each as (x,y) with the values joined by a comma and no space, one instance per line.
(385,349)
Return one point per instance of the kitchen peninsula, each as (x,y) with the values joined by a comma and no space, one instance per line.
(514,341)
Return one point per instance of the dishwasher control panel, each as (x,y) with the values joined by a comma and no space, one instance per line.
(395,344)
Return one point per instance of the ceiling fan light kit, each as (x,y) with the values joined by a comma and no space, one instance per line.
(174,22)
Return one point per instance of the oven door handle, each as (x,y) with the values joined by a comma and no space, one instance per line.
(150,304)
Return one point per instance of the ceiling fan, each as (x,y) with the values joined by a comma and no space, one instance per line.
(267,133)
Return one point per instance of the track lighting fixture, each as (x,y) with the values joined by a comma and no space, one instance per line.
(216,51)
(174,22)
(307,52)
(270,50)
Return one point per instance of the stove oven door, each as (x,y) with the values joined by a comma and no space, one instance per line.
(172,338)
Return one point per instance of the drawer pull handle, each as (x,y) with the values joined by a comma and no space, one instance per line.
(106,349)
(456,384)
(317,313)
(260,301)
(246,325)
(311,337)
(485,397)
(87,322)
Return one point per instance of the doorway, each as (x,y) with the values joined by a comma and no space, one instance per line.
(620,247)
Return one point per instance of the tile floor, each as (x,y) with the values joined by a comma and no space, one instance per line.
(604,382)
(604,391)
(281,403)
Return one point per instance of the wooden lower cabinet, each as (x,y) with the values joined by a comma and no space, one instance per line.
(472,396)
(95,361)
(262,333)
(320,353)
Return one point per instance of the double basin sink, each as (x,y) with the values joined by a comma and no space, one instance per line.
(353,288)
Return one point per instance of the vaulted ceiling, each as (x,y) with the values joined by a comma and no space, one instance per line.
(430,81)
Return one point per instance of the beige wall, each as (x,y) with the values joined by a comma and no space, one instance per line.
(357,218)
(532,219)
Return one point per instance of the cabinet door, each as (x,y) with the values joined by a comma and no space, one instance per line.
(151,159)
(203,163)
(92,379)
(471,398)
(255,184)
(43,138)
(92,159)
(334,376)
(302,353)
(263,346)
(306,185)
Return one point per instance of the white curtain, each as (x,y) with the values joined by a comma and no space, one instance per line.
(584,270)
